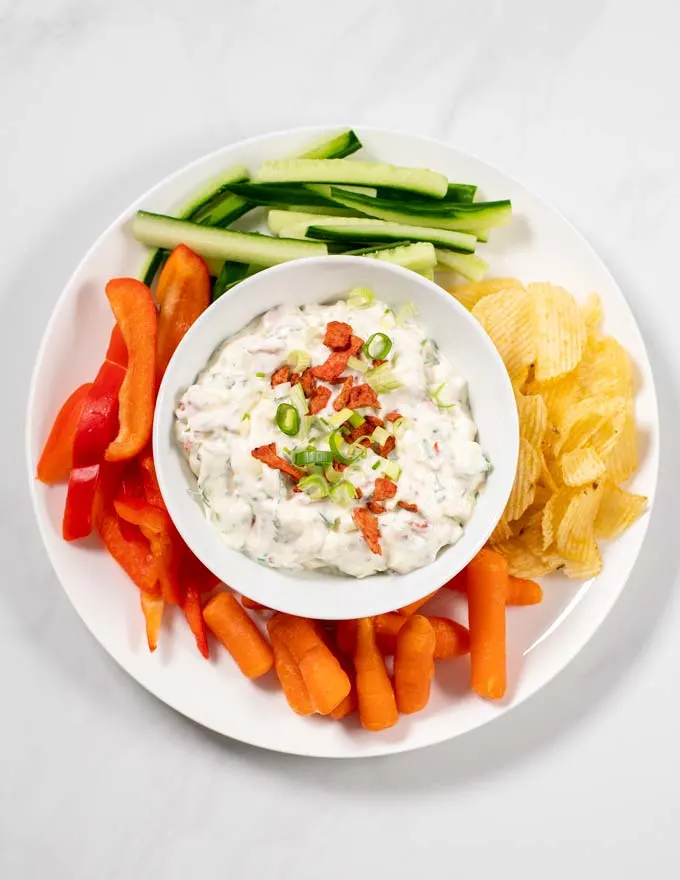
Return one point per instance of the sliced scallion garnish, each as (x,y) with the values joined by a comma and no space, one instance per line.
(378,346)
(288,419)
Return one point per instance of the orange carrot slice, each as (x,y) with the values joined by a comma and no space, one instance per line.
(414,664)
(452,638)
(239,635)
(487,588)
(375,696)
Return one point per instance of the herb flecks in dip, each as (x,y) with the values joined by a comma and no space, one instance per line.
(336,437)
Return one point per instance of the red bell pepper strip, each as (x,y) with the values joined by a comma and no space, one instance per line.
(152,608)
(182,293)
(191,606)
(96,428)
(152,491)
(117,350)
(57,455)
(157,527)
(135,312)
(125,542)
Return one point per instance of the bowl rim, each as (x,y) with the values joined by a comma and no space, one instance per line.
(259,584)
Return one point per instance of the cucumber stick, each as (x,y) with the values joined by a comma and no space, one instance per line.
(463,217)
(343,144)
(357,230)
(456,192)
(420,180)
(160,231)
(279,220)
(470,266)
(419,257)
(230,274)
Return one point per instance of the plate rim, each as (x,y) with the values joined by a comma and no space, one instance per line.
(379,747)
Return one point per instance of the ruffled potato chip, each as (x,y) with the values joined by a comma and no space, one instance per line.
(507,317)
(533,418)
(592,314)
(470,294)
(522,562)
(622,458)
(528,472)
(606,369)
(575,536)
(560,331)
(618,510)
(581,466)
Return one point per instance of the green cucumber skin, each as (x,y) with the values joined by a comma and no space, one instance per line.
(459,218)
(282,196)
(230,274)
(444,238)
(159,230)
(343,171)
(457,193)
(214,189)
(338,147)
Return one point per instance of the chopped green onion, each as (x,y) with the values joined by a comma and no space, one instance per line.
(339,418)
(391,469)
(299,360)
(344,452)
(405,313)
(378,346)
(400,426)
(245,417)
(332,475)
(312,456)
(380,436)
(356,420)
(261,375)
(360,366)
(305,427)
(388,321)
(360,297)
(288,419)
(435,394)
(298,399)
(375,466)
(382,379)
(314,486)
(343,493)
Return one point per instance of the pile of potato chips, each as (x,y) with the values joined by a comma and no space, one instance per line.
(575,400)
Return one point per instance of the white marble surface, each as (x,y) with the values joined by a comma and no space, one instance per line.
(101,98)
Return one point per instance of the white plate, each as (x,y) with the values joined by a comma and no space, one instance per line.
(540,245)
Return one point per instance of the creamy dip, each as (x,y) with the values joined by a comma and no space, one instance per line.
(437,464)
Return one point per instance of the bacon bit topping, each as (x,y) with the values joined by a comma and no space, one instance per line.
(294,378)
(367,522)
(376,507)
(406,506)
(342,399)
(387,447)
(358,492)
(308,383)
(333,367)
(363,395)
(378,362)
(374,422)
(320,399)
(436,448)
(393,416)
(355,345)
(338,336)
(339,466)
(267,455)
(384,489)
(280,376)
(360,431)
(365,442)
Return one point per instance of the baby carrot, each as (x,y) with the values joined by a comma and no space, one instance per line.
(349,704)
(239,635)
(252,605)
(326,681)
(346,636)
(375,696)
(523,592)
(408,610)
(452,638)
(487,586)
(458,582)
(289,675)
(414,664)
(386,627)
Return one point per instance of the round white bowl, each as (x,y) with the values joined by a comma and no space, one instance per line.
(460,337)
